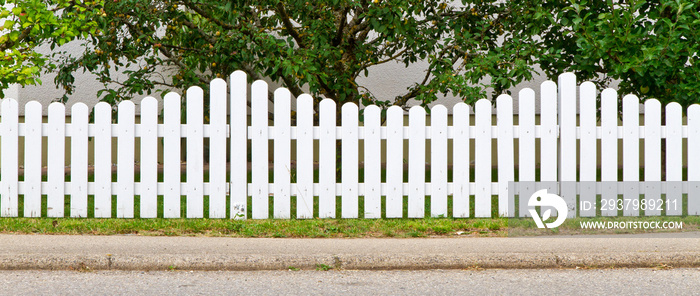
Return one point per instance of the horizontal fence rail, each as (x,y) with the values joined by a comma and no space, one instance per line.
(326,177)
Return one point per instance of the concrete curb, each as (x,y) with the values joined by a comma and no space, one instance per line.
(207,253)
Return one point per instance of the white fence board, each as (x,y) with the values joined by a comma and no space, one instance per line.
(416,162)
(327,159)
(9,130)
(526,149)
(259,150)
(394,162)
(217,149)
(372,162)
(506,156)
(79,161)
(148,163)
(305,157)
(56,164)
(567,140)
(282,154)
(461,160)
(350,158)
(239,145)
(195,152)
(32,159)
(588,147)
(482,175)
(630,155)
(171,155)
(125,160)
(652,155)
(403,198)
(608,154)
(438,161)
(674,159)
(693,159)
(103,160)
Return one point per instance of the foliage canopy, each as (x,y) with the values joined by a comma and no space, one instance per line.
(325,47)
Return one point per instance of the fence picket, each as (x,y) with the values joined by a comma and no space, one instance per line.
(79,161)
(416,162)
(326,159)
(652,155)
(506,161)
(550,132)
(482,176)
(259,150)
(461,160)
(217,149)
(282,158)
(239,145)
(588,147)
(9,154)
(56,165)
(674,159)
(32,159)
(526,149)
(305,157)
(394,162)
(693,160)
(608,153)
(148,168)
(171,155)
(438,161)
(349,174)
(195,151)
(373,162)
(567,140)
(125,160)
(630,159)
(103,160)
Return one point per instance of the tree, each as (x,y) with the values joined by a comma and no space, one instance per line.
(322,46)
(325,46)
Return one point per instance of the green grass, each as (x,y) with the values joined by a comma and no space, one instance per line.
(312,228)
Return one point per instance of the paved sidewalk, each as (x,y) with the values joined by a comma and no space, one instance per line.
(212,253)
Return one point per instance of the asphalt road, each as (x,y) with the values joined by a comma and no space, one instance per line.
(348,282)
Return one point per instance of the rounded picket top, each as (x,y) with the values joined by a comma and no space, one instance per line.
(349,107)
(630,99)
(150,101)
(170,97)
(674,107)
(76,108)
(504,99)
(103,107)
(484,105)
(217,82)
(416,111)
(587,85)
(282,94)
(461,107)
(526,94)
(438,110)
(652,103)
(305,99)
(259,86)
(238,75)
(125,104)
(609,94)
(567,78)
(326,104)
(394,110)
(9,102)
(56,107)
(693,111)
(194,92)
(33,107)
(548,85)
(372,110)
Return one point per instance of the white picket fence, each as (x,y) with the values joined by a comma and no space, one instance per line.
(557,133)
